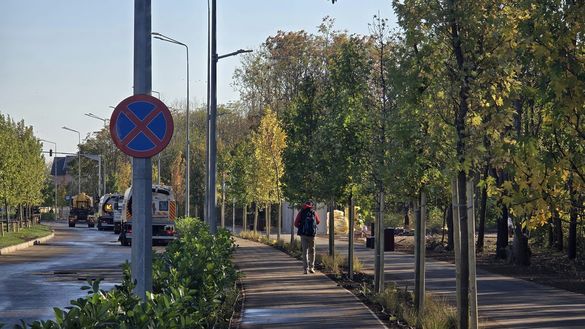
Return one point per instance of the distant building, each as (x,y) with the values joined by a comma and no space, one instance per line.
(62,176)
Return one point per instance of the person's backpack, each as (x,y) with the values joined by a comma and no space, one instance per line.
(308,225)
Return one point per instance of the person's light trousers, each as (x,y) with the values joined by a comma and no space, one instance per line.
(308,249)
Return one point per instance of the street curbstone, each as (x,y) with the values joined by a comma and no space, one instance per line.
(24,245)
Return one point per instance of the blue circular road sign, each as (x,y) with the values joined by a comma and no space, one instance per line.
(141,126)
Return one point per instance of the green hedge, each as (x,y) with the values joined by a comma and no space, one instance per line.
(193,287)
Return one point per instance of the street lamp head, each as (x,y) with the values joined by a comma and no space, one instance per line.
(73,130)
(163,37)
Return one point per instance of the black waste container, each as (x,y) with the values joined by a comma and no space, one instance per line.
(250,227)
(388,239)
(370,242)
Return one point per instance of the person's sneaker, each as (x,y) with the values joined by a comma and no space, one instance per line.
(306,272)
(311,270)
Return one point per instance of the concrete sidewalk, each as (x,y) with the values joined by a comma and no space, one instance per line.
(278,294)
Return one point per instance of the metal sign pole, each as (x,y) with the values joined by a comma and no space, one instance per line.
(212,166)
(142,167)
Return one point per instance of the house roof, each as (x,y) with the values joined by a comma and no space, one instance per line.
(62,163)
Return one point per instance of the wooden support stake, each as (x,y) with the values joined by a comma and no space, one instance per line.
(420,231)
(351,230)
(382,264)
(472,270)
(332,228)
(456,244)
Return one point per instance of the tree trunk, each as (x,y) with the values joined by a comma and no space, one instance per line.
(268,219)
(419,254)
(350,238)
(255,216)
(405,210)
(551,234)
(292,227)
(502,238)
(558,230)
(573,214)
(521,250)
(464,227)
(222,216)
(234,216)
(245,217)
(332,228)
(443,226)
(450,241)
(279,219)
(572,241)
(482,212)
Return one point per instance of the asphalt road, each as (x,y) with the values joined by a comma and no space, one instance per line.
(34,280)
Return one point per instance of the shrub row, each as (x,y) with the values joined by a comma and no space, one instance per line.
(193,287)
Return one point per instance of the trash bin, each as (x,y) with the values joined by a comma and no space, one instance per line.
(250,227)
(388,239)
(373,229)
(370,242)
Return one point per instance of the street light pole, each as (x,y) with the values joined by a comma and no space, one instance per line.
(163,37)
(54,173)
(105,121)
(211,202)
(78,159)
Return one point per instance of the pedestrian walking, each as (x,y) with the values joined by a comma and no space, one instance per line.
(306,222)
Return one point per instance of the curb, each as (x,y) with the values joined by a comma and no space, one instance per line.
(24,245)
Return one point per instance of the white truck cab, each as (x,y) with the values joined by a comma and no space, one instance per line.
(164,213)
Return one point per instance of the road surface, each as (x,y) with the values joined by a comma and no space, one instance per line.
(34,280)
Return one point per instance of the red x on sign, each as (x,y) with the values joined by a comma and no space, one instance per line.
(141,126)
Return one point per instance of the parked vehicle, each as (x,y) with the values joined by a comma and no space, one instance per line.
(82,210)
(118,216)
(108,205)
(163,215)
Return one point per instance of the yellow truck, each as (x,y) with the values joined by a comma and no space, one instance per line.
(164,213)
(81,210)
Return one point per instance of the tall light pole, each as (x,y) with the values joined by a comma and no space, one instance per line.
(54,172)
(105,121)
(163,37)
(78,159)
(211,202)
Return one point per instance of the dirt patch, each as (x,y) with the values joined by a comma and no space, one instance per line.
(548,267)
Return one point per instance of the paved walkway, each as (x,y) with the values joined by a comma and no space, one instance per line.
(279,295)
(504,302)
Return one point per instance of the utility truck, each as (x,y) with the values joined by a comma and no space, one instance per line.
(108,205)
(81,210)
(164,210)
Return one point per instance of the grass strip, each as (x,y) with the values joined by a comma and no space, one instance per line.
(24,235)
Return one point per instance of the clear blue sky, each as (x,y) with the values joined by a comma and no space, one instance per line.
(60,59)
